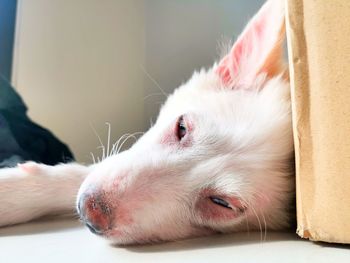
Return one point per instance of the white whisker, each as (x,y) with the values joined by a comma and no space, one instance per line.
(93,157)
(265,225)
(100,141)
(152,94)
(103,151)
(108,138)
(259,222)
(246,217)
(127,138)
(250,206)
(117,143)
(154,81)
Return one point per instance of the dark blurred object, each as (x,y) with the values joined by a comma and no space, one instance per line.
(7,35)
(21,139)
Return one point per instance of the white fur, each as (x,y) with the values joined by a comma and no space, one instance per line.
(239,146)
(243,147)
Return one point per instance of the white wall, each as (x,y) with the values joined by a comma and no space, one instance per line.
(80,61)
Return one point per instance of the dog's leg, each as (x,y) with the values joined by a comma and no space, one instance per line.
(32,190)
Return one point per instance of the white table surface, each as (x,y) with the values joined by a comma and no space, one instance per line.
(65,240)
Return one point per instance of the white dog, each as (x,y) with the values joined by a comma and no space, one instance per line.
(218,159)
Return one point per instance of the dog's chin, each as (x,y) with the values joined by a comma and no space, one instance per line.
(129,240)
(117,238)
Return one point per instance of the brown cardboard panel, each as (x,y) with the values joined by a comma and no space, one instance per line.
(318,34)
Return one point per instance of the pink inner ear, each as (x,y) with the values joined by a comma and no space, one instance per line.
(227,68)
(254,47)
(236,63)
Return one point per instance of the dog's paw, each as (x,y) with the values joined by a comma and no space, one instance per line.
(30,167)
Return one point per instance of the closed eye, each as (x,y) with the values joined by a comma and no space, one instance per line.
(219,201)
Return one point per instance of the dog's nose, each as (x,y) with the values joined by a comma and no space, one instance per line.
(95,213)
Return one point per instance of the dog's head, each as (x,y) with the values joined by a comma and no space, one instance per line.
(218,157)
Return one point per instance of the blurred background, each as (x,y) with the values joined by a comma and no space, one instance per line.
(81,63)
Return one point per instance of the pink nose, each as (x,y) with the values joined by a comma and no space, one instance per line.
(95,213)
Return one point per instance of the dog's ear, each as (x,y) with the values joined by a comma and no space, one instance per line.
(259,49)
